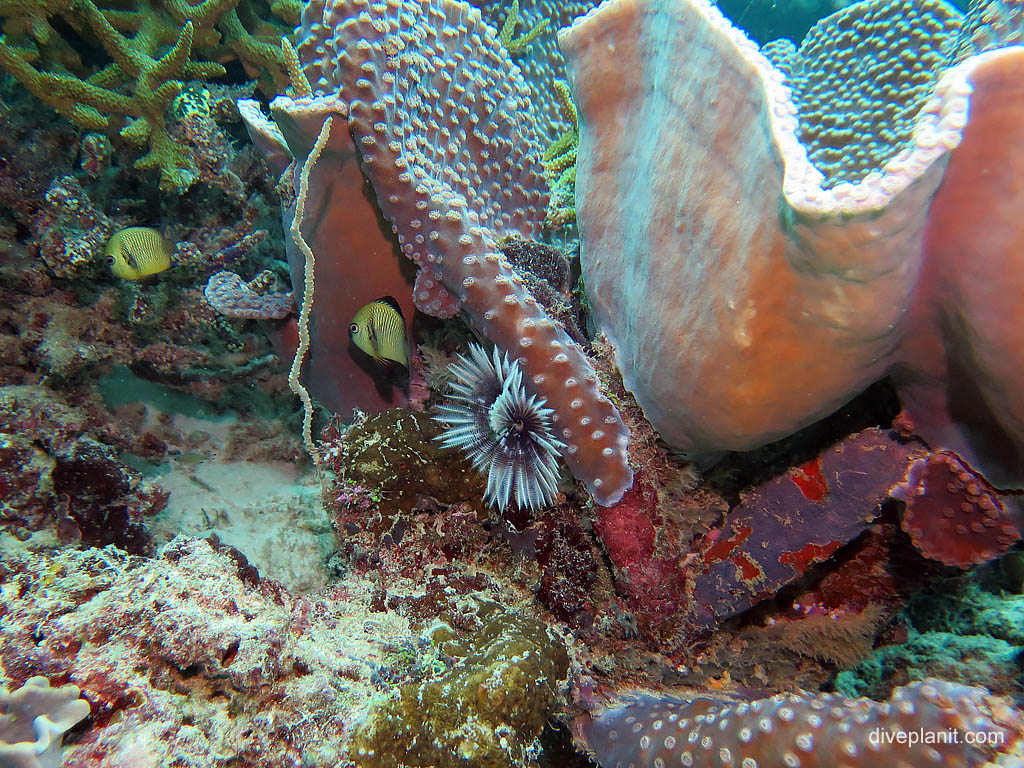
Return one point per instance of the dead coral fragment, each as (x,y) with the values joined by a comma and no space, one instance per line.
(486,712)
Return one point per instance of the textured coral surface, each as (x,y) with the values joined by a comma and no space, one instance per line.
(192,654)
(953,514)
(821,730)
(379,611)
(782,528)
(974,242)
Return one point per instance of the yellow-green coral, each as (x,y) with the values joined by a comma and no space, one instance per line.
(154,49)
(485,712)
(299,86)
(560,163)
(516,45)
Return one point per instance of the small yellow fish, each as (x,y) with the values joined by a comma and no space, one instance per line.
(138,252)
(379,330)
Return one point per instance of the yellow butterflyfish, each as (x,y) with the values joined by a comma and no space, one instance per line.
(138,252)
(378,329)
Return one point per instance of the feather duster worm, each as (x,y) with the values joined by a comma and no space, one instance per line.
(504,430)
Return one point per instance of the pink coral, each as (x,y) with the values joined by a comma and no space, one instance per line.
(646,552)
(356,262)
(953,514)
(442,121)
(823,730)
(227,293)
(970,349)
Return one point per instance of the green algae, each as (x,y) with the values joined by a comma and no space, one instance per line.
(970,630)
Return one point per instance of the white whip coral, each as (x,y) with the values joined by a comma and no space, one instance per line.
(504,430)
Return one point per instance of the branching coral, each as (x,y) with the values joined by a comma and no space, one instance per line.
(153,51)
(560,162)
(136,88)
(507,33)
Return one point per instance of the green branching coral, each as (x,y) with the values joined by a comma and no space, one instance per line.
(560,163)
(516,45)
(154,48)
(485,712)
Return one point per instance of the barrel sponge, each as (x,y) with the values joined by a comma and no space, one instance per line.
(33,720)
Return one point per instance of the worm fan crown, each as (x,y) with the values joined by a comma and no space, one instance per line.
(504,430)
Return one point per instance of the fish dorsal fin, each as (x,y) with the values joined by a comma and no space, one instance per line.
(392,302)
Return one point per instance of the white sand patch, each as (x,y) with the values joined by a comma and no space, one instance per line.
(271,512)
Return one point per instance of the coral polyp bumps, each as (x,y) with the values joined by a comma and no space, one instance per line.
(504,430)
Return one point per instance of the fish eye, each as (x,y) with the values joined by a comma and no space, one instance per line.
(353,328)
(110,259)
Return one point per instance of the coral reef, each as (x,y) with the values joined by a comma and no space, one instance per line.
(548,273)
(66,321)
(230,295)
(967,628)
(953,514)
(452,185)
(388,604)
(357,262)
(189,655)
(193,654)
(560,162)
(364,459)
(484,712)
(781,528)
(541,63)
(721,308)
(62,475)
(844,141)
